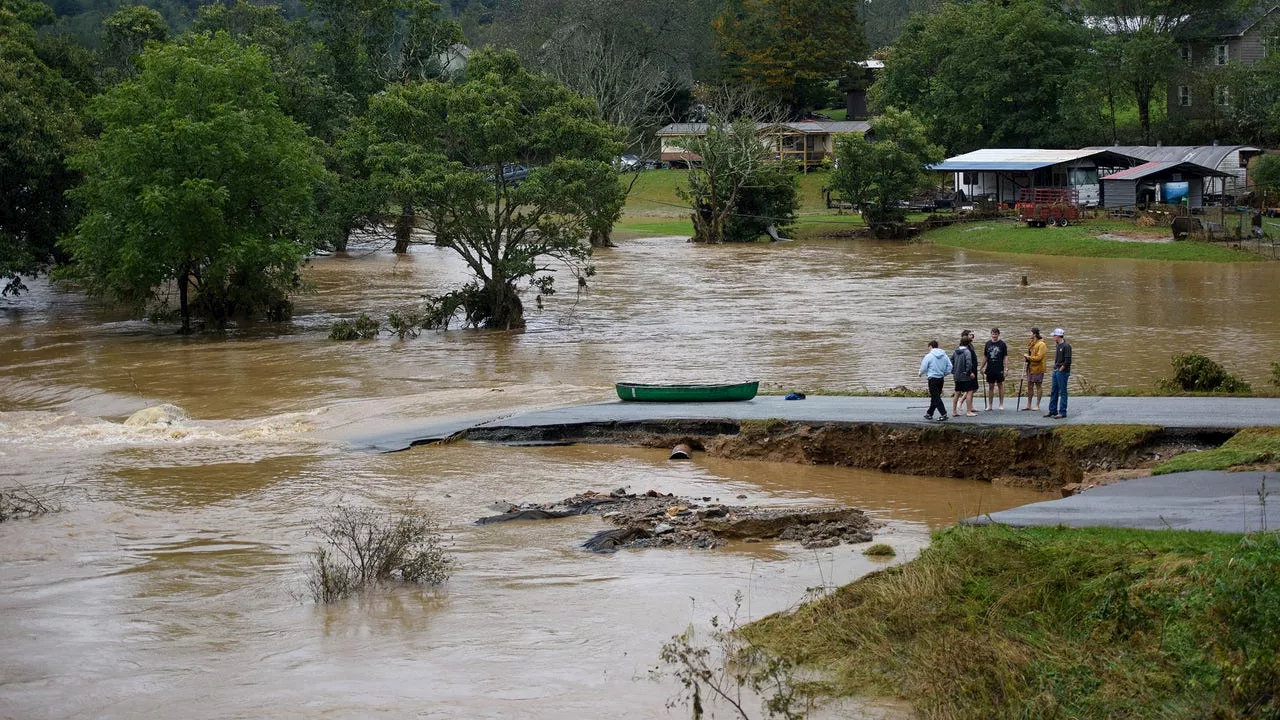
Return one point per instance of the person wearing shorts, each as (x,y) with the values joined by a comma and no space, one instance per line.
(964,362)
(1035,369)
(993,357)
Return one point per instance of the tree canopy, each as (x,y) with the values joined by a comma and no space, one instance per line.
(877,176)
(738,189)
(198,180)
(993,73)
(510,170)
(39,122)
(796,48)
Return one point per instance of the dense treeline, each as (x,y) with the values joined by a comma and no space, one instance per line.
(184,157)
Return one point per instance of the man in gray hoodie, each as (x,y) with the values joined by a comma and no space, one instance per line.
(936,366)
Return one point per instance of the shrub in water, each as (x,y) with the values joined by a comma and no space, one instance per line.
(362,328)
(1195,372)
(362,547)
(1275,373)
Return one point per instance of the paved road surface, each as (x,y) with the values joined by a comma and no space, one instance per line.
(1218,501)
(1183,412)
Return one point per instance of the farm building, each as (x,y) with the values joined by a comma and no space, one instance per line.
(807,142)
(1229,159)
(999,174)
(1158,182)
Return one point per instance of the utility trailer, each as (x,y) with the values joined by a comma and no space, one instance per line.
(1042,206)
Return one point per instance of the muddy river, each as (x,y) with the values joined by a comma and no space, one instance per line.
(171,583)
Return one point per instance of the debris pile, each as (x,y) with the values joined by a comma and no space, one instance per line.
(654,519)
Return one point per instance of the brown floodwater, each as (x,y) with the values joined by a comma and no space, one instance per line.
(172,581)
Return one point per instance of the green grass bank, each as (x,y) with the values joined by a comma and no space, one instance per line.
(996,622)
(1082,240)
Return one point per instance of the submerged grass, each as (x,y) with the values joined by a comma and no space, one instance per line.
(995,622)
(1250,446)
(1119,437)
(1077,241)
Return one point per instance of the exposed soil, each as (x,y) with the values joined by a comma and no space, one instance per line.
(1032,457)
(654,519)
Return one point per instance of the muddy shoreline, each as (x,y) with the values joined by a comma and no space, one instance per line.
(1065,458)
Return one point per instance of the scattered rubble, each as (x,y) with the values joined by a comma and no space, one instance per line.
(654,519)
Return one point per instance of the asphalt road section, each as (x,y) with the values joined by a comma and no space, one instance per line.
(1228,502)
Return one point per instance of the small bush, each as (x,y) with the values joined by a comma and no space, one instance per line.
(879,550)
(405,324)
(362,547)
(1275,374)
(362,328)
(1197,373)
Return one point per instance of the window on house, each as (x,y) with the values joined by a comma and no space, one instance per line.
(1221,95)
(967,179)
(1220,55)
(1185,53)
(1184,96)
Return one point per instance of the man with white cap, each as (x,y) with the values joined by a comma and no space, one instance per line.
(1061,372)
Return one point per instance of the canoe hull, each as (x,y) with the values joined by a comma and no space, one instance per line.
(687,393)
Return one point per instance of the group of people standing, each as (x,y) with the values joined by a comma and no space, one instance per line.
(966,366)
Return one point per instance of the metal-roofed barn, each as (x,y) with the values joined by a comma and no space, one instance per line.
(1233,160)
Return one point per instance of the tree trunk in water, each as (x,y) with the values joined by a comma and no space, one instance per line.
(340,241)
(506,310)
(602,238)
(182,302)
(404,229)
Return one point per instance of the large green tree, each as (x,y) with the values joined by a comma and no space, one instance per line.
(510,170)
(124,35)
(877,175)
(793,47)
(1141,37)
(198,183)
(39,122)
(993,73)
(738,189)
(300,66)
(376,42)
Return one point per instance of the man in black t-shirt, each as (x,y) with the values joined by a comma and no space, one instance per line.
(993,355)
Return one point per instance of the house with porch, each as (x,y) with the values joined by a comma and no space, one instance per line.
(807,142)
(1000,174)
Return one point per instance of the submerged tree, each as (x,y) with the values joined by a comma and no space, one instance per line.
(198,179)
(738,189)
(877,176)
(510,170)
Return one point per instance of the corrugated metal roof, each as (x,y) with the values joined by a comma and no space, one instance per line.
(1159,166)
(1210,156)
(830,127)
(1022,158)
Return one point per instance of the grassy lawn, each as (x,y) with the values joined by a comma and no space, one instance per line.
(996,622)
(1251,446)
(655,208)
(1079,240)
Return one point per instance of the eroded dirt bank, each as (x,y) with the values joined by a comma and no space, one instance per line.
(1043,458)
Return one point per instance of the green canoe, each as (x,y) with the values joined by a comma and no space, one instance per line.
(687,393)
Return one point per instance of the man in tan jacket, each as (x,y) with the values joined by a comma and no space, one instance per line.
(1035,369)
